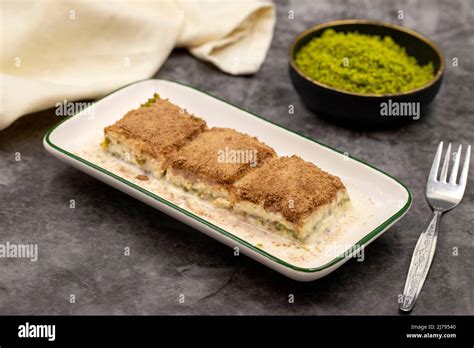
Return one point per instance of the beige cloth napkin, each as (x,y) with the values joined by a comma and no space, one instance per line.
(73,50)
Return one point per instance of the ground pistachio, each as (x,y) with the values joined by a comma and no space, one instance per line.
(361,63)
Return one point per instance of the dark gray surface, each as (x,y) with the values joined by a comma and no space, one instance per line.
(81,250)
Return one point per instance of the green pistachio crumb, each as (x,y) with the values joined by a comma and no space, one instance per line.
(150,101)
(361,63)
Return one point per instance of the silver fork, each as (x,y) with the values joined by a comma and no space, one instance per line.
(442,196)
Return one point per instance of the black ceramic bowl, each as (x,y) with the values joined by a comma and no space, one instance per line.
(356,108)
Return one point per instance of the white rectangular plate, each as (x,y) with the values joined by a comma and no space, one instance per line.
(378,200)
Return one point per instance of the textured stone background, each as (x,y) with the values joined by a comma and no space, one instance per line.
(81,249)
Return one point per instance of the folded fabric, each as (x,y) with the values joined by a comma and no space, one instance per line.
(73,50)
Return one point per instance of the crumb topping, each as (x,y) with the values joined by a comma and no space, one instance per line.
(221,155)
(290,186)
(162,127)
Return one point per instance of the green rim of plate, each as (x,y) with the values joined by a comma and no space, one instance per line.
(359,244)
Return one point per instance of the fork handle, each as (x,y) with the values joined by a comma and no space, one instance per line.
(420,263)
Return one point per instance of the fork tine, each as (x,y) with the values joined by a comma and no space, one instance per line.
(435,165)
(465,168)
(444,170)
(454,171)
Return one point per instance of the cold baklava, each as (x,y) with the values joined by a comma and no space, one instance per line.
(215,160)
(228,168)
(292,195)
(150,135)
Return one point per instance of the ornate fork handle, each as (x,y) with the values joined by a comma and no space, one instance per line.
(420,263)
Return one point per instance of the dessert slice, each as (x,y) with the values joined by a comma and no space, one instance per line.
(212,162)
(291,195)
(149,135)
